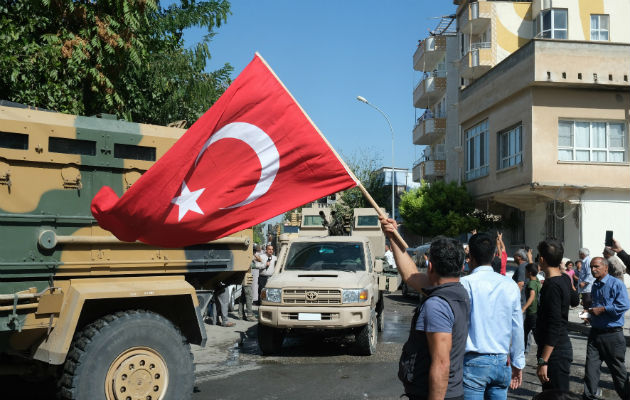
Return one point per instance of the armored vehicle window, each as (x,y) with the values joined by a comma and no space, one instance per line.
(71,146)
(10,140)
(367,220)
(133,152)
(308,256)
(312,220)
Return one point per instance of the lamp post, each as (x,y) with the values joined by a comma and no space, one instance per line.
(364,100)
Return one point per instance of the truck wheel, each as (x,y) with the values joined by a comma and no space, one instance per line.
(270,339)
(232,301)
(133,354)
(367,337)
(381,320)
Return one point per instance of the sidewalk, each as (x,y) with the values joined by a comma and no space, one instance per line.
(213,359)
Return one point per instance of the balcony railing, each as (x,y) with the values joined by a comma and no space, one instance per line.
(429,53)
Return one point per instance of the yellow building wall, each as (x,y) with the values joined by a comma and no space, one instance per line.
(513,27)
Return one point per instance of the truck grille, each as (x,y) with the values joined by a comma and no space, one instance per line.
(311,296)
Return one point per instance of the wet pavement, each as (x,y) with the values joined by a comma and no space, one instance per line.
(316,368)
(312,366)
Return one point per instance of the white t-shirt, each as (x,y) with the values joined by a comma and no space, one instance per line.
(389,257)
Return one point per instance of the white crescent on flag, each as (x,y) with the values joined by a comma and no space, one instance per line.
(262,145)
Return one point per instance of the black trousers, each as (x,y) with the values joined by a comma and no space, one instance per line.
(559,365)
(587,300)
(609,347)
(529,325)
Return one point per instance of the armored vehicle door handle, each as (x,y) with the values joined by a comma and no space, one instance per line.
(71,177)
(5,179)
(5,174)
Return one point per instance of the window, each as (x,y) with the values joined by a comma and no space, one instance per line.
(554,224)
(10,140)
(310,256)
(477,151)
(599,27)
(510,147)
(592,141)
(552,24)
(367,220)
(71,146)
(312,220)
(133,152)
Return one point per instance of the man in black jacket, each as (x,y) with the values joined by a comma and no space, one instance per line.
(621,253)
(555,353)
(431,364)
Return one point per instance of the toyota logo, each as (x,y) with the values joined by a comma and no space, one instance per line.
(311,296)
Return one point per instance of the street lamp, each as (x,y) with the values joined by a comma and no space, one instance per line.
(364,100)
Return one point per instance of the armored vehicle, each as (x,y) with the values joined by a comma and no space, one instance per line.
(112,320)
(330,283)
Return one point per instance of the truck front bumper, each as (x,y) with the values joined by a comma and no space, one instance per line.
(307,317)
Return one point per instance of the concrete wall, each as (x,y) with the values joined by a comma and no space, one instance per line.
(604,210)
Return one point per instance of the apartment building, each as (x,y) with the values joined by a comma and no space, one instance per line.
(543,109)
(435,96)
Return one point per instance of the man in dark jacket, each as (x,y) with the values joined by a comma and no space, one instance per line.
(621,253)
(431,364)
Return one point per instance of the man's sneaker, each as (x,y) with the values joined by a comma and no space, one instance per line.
(228,324)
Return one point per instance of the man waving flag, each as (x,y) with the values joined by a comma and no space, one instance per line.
(253,155)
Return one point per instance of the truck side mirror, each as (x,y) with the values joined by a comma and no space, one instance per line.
(378,266)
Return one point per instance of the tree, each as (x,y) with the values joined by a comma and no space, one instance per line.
(124,57)
(364,166)
(439,209)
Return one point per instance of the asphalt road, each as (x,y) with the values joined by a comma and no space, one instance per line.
(232,367)
(311,368)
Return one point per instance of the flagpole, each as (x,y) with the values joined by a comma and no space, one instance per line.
(367,195)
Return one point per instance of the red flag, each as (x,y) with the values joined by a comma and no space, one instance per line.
(254,155)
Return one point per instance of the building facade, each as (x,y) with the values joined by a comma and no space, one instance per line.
(435,96)
(543,109)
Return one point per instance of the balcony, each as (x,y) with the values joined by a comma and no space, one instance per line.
(430,90)
(429,167)
(429,128)
(429,53)
(476,19)
(477,61)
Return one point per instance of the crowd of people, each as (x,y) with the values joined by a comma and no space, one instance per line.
(470,334)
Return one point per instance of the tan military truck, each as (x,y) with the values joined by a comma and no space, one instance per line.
(327,283)
(111,320)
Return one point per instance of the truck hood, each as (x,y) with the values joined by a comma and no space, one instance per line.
(321,279)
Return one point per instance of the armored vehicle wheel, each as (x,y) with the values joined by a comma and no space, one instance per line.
(270,339)
(366,337)
(128,355)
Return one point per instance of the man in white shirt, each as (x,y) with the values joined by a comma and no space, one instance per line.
(265,267)
(496,332)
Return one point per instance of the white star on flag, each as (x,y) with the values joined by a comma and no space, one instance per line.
(187,201)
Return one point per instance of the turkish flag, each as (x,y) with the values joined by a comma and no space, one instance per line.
(253,155)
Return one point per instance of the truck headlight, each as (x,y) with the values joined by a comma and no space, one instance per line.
(271,295)
(354,295)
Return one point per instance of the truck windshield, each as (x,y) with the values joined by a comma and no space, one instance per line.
(321,256)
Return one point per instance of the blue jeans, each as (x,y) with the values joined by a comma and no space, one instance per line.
(486,376)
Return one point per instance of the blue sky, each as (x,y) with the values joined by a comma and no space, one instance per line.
(327,53)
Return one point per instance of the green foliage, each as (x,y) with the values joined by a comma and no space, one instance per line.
(439,209)
(124,57)
(258,234)
(363,164)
